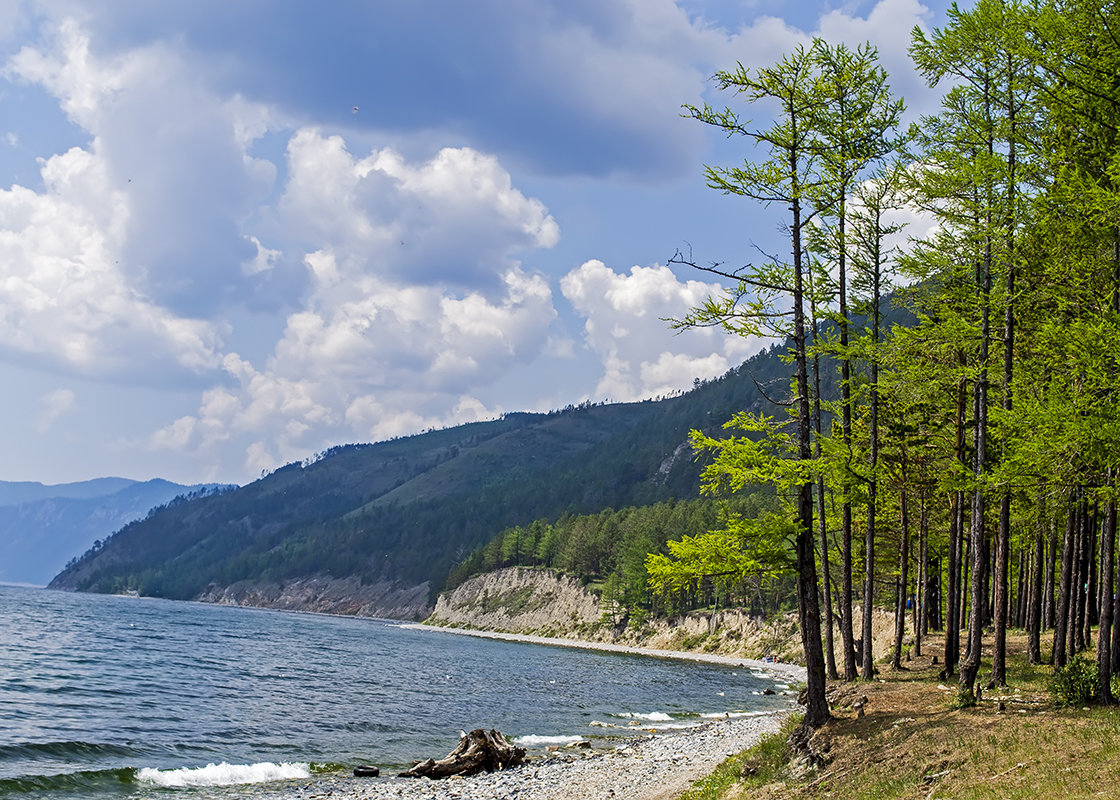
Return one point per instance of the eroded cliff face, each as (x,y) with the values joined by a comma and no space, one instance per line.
(328,596)
(520,600)
(542,603)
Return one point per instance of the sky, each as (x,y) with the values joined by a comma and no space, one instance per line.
(233,235)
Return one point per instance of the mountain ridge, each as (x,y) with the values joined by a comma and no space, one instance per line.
(401,513)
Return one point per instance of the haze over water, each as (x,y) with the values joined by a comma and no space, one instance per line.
(105,696)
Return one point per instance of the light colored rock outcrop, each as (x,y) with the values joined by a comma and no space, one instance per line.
(326,595)
(542,603)
(520,600)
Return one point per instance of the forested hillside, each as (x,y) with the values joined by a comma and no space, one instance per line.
(407,510)
(971,480)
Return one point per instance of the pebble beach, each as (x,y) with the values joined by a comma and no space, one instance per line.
(652,767)
(658,765)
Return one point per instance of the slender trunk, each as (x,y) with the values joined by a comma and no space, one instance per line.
(868,666)
(937,588)
(925,592)
(952,611)
(1115,627)
(847,625)
(1003,535)
(1076,636)
(1061,615)
(1051,567)
(822,522)
(847,629)
(1104,637)
(1034,601)
(1022,580)
(1000,601)
(971,665)
(816,705)
(903,578)
(1092,546)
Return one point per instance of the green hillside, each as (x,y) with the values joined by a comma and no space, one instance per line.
(408,510)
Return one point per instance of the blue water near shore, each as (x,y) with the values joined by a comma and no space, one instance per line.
(128,697)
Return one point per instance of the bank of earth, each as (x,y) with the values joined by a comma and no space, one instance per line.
(538,602)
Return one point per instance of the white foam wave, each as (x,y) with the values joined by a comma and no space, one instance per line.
(532,740)
(656,716)
(735,714)
(223,774)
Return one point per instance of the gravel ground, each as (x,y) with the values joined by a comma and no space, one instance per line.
(655,767)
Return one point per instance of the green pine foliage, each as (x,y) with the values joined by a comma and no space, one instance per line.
(610,550)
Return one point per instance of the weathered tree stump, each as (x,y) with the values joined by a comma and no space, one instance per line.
(477,751)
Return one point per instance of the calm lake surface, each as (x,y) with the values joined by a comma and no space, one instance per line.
(135,697)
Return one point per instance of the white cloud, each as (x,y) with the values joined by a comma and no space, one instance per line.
(174,155)
(626,327)
(54,405)
(375,350)
(65,302)
(450,219)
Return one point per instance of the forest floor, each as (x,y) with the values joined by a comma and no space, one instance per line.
(910,741)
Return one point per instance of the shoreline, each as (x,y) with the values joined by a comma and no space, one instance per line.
(781,669)
(650,767)
(658,765)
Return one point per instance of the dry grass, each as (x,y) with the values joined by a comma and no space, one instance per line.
(910,742)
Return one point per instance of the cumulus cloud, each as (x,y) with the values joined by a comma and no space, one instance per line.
(625,326)
(64,301)
(448,220)
(175,156)
(386,342)
(317,275)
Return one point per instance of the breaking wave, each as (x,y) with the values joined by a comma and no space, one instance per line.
(223,774)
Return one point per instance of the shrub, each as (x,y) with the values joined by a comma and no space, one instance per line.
(1074,684)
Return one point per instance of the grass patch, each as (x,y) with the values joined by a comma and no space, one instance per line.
(693,641)
(762,764)
(905,737)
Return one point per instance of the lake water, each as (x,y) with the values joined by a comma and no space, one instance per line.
(126,697)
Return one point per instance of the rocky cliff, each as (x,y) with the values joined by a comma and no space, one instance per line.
(543,603)
(520,600)
(328,596)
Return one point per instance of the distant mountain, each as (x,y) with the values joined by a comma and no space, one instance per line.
(16,492)
(363,523)
(42,526)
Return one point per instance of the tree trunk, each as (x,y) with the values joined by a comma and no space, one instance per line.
(1000,601)
(1061,615)
(1075,638)
(816,705)
(923,595)
(977,539)
(1048,598)
(1034,601)
(1104,636)
(952,610)
(822,522)
(903,579)
(868,666)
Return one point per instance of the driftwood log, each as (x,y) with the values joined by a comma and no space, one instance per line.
(477,751)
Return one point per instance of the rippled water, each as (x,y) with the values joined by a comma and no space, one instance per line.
(116,697)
